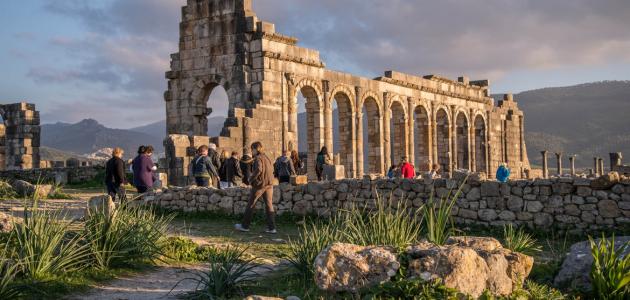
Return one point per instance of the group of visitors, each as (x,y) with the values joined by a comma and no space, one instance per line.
(402,170)
(221,171)
(143,169)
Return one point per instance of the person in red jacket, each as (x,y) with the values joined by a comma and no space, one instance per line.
(407,169)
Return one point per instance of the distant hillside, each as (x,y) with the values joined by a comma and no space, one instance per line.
(88,136)
(588,120)
(51,154)
(158,129)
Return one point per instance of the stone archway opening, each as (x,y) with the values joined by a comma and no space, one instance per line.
(343,132)
(443,141)
(372,149)
(480,145)
(218,107)
(398,132)
(422,145)
(462,133)
(309,136)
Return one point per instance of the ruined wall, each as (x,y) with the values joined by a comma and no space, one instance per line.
(222,42)
(22,136)
(562,202)
(70,175)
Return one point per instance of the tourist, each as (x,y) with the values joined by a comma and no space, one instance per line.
(216,162)
(261,181)
(503,173)
(298,164)
(407,170)
(391,173)
(115,176)
(323,159)
(202,168)
(143,167)
(233,173)
(246,166)
(223,184)
(283,168)
(435,172)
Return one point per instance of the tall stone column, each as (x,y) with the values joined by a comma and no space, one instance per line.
(328,126)
(387,147)
(572,163)
(411,149)
(559,163)
(601,166)
(544,164)
(596,166)
(472,148)
(615,160)
(453,140)
(360,154)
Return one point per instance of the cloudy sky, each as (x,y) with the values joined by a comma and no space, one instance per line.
(105,59)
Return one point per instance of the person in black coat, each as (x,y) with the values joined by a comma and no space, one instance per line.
(115,176)
(246,164)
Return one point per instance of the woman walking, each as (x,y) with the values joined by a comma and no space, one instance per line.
(323,158)
(143,168)
(115,176)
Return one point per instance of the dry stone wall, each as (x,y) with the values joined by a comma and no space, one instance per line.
(573,203)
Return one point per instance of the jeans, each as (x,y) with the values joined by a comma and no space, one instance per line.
(202,181)
(142,189)
(284,179)
(267,194)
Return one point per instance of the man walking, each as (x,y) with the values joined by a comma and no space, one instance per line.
(203,168)
(233,173)
(283,168)
(261,181)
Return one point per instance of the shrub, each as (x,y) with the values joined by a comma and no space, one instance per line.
(438,221)
(537,291)
(8,271)
(519,241)
(314,237)
(6,190)
(45,245)
(125,235)
(228,272)
(610,274)
(387,225)
(58,193)
(412,289)
(186,250)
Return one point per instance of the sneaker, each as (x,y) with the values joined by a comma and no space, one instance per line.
(271,231)
(240,228)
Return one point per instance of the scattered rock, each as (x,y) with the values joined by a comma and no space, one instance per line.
(577,265)
(6,223)
(350,268)
(26,189)
(605,181)
(100,204)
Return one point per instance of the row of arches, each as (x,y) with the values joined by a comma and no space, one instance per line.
(368,138)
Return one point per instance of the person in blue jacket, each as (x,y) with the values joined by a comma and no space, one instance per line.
(503,173)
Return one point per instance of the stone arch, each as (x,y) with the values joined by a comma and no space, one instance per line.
(398,130)
(462,133)
(481,162)
(374,96)
(422,138)
(373,141)
(314,121)
(345,128)
(199,97)
(443,139)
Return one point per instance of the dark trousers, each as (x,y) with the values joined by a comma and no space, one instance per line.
(202,181)
(113,190)
(284,179)
(142,189)
(319,170)
(267,194)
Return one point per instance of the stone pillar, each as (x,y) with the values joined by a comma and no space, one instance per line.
(453,140)
(360,154)
(411,120)
(177,159)
(472,148)
(601,166)
(596,166)
(328,126)
(544,164)
(615,160)
(559,163)
(387,147)
(572,163)
(22,139)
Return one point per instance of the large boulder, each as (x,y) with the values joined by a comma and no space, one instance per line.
(576,268)
(26,189)
(351,268)
(99,204)
(471,265)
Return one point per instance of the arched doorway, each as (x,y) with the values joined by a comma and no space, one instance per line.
(343,132)
(462,132)
(310,136)
(422,144)
(398,132)
(443,140)
(480,145)
(372,137)
(218,105)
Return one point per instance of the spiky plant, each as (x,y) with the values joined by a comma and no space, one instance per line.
(610,274)
(518,240)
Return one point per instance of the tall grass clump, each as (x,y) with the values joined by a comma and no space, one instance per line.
(229,271)
(8,272)
(386,225)
(518,240)
(46,246)
(124,235)
(438,221)
(610,274)
(6,190)
(313,238)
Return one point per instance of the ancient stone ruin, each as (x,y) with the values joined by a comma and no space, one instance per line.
(19,136)
(430,119)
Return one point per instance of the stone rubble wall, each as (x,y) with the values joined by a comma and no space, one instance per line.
(71,175)
(541,203)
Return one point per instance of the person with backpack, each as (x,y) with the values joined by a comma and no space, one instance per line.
(115,176)
(323,158)
(283,168)
(204,169)
(233,173)
(262,187)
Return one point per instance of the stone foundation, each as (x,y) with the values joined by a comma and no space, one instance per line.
(561,202)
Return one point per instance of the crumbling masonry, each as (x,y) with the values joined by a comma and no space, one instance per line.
(19,136)
(430,119)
